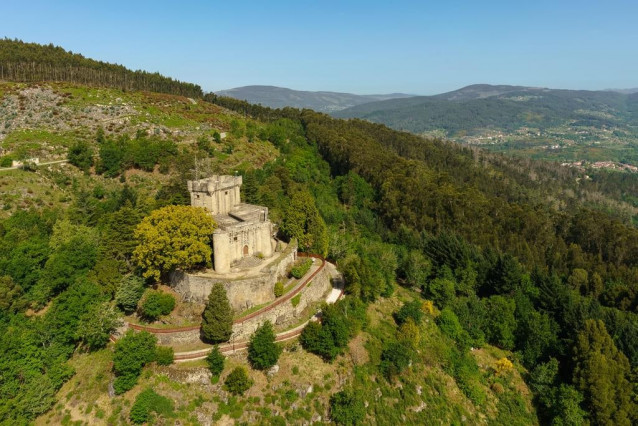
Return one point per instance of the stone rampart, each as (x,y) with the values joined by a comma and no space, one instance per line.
(282,315)
(242,293)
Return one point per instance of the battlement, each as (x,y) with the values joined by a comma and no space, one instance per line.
(219,194)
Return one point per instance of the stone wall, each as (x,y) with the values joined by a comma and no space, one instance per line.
(282,316)
(285,315)
(242,293)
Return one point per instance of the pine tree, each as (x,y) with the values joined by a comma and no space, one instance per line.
(263,352)
(601,374)
(217,318)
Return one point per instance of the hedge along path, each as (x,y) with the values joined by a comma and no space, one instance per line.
(274,304)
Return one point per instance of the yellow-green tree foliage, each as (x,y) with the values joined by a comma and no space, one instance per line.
(174,237)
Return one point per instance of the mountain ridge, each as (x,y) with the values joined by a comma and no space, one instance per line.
(322,101)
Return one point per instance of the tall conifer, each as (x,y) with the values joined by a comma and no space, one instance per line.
(217,318)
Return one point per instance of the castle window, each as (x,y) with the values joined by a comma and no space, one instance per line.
(197,196)
(235,238)
(226,193)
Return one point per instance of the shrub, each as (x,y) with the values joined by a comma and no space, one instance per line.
(295,300)
(263,352)
(132,352)
(156,304)
(301,268)
(347,408)
(164,355)
(147,402)
(81,155)
(395,358)
(238,381)
(279,289)
(409,310)
(129,293)
(215,361)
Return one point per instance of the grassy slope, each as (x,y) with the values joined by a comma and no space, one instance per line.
(424,394)
(44,120)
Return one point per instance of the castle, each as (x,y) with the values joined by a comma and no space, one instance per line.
(244,230)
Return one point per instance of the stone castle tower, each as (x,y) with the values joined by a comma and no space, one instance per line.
(243,229)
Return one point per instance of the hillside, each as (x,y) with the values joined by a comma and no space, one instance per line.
(280,97)
(478,288)
(564,125)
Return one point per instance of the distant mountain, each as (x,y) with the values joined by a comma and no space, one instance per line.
(279,97)
(478,107)
(625,91)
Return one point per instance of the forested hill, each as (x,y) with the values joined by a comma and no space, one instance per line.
(280,97)
(452,258)
(20,61)
(507,108)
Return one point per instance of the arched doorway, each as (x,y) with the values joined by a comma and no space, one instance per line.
(245,250)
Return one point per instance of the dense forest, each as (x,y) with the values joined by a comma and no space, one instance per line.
(20,61)
(510,253)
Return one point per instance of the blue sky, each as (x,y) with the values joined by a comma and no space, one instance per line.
(421,47)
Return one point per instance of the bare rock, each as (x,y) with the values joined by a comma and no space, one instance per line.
(273,370)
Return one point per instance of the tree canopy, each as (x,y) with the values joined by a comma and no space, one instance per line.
(174,237)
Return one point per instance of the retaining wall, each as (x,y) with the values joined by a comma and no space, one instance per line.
(242,293)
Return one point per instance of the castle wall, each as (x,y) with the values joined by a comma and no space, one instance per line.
(282,316)
(232,244)
(242,293)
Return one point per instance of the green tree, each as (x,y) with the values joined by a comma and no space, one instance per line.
(10,295)
(501,322)
(303,222)
(96,326)
(238,382)
(132,352)
(217,318)
(174,237)
(601,372)
(441,291)
(81,155)
(347,408)
(263,352)
(129,293)
(215,361)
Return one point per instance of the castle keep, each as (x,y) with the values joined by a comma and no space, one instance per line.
(243,229)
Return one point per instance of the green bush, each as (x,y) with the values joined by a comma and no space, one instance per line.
(164,355)
(347,408)
(295,300)
(156,304)
(132,352)
(238,381)
(279,289)
(301,268)
(263,352)
(6,162)
(395,358)
(148,402)
(409,310)
(215,360)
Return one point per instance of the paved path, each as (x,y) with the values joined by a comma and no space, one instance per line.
(38,165)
